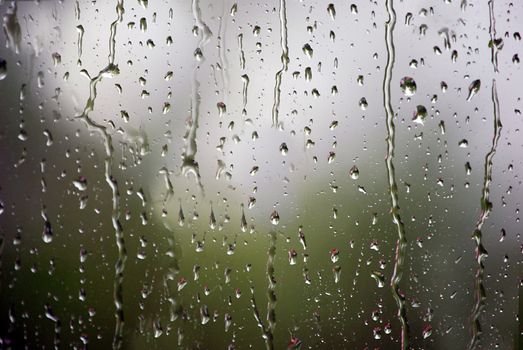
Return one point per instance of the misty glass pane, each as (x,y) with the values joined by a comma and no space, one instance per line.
(278,174)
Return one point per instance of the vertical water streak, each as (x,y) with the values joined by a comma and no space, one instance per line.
(486,205)
(245,77)
(11,26)
(271,294)
(268,330)
(49,314)
(492,31)
(110,71)
(242,54)
(80,30)
(245,80)
(173,270)
(169,193)
(401,245)
(77,10)
(189,164)
(261,325)
(284,62)
(224,65)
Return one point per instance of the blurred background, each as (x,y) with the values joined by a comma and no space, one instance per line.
(211,174)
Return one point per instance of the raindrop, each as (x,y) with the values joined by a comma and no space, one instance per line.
(3,69)
(283,149)
(474,89)
(293,255)
(408,86)
(332,11)
(420,114)
(363,103)
(354,172)
(275,218)
(307,50)
(463,143)
(336,270)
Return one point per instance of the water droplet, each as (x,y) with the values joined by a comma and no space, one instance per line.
(234,9)
(47,233)
(380,279)
(283,149)
(335,255)
(80,183)
(181,217)
(275,218)
(182,282)
(307,50)
(420,114)
(212,219)
(293,255)
(57,58)
(463,143)
(331,157)
(363,103)
(474,89)
(332,11)
(427,331)
(354,172)
(3,69)
(222,109)
(336,270)
(408,86)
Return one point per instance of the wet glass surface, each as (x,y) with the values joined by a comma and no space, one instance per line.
(260,175)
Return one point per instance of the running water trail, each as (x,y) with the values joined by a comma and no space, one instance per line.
(245,90)
(245,77)
(108,72)
(189,164)
(242,53)
(486,205)
(224,64)
(49,314)
(393,187)
(80,30)
(256,313)
(173,269)
(492,31)
(284,62)
(268,330)
(11,26)
(271,294)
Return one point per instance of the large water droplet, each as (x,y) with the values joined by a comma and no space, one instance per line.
(474,89)
(420,114)
(408,86)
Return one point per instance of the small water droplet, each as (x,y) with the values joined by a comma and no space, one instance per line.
(363,103)
(283,149)
(3,69)
(275,218)
(354,172)
(307,50)
(463,143)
